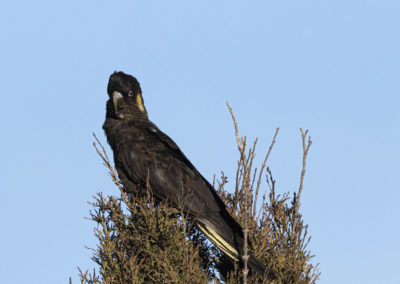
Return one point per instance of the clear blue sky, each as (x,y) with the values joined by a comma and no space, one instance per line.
(329,66)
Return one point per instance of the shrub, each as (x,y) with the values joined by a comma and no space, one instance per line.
(142,241)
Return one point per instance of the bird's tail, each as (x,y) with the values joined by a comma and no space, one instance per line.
(219,241)
(233,248)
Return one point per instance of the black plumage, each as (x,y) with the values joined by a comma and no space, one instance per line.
(145,155)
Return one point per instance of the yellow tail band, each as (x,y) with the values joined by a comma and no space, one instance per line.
(218,241)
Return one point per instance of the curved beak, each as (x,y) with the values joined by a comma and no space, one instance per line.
(115,97)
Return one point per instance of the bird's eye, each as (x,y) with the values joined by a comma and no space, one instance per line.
(130,94)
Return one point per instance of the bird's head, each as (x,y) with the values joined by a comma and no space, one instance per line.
(126,101)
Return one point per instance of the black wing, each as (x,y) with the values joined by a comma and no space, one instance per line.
(154,157)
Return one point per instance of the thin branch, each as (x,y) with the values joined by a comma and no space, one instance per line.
(296,205)
(107,164)
(239,142)
(306,147)
(262,170)
(244,162)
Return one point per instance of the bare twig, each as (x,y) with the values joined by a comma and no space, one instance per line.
(245,161)
(296,205)
(239,140)
(262,170)
(107,164)
(306,147)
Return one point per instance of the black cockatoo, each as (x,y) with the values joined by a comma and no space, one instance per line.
(144,155)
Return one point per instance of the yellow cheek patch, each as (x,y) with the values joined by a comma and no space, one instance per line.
(139,102)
